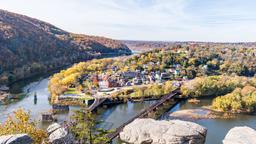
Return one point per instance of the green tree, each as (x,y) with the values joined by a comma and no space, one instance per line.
(85,128)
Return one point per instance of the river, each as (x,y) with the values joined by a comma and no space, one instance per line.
(217,128)
(36,108)
(116,115)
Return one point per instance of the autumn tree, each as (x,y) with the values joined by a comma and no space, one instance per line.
(239,100)
(20,122)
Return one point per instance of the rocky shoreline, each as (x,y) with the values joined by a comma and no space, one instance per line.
(199,113)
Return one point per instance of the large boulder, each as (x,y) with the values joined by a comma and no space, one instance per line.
(240,135)
(16,139)
(149,131)
(59,135)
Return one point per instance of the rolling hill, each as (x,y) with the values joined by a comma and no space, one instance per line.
(29,46)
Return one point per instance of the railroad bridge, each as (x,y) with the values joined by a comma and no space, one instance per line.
(145,112)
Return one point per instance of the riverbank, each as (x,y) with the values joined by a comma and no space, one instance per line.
(229,113)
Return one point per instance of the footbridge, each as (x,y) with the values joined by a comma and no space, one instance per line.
(97,102)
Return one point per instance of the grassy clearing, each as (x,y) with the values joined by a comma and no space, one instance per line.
(87,97)
(72,91)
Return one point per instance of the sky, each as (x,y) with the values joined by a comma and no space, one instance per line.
(158,20)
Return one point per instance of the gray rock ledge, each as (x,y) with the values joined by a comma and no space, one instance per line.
(16,139)
(149,131)
(240,135)
(59,135)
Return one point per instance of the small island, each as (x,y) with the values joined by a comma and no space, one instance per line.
(241,100)
(233,94)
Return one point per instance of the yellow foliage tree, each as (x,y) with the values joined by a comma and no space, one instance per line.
(19,123)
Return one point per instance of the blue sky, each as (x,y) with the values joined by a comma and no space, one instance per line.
(167,20)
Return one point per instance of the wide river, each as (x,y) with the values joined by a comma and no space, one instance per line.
(116,115)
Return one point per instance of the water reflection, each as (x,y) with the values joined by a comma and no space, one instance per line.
(116,115)
(217,128)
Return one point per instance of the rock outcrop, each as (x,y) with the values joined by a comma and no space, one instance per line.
(240,135)
(16,139)
(59,135)
(4,97)
(149,131)
(192,114)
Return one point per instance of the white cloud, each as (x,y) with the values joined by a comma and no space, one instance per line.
(146,19)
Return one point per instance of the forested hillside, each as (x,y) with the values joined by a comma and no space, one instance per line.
(29,46)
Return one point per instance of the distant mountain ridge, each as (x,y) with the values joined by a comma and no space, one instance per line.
(142,46)
(29,46)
